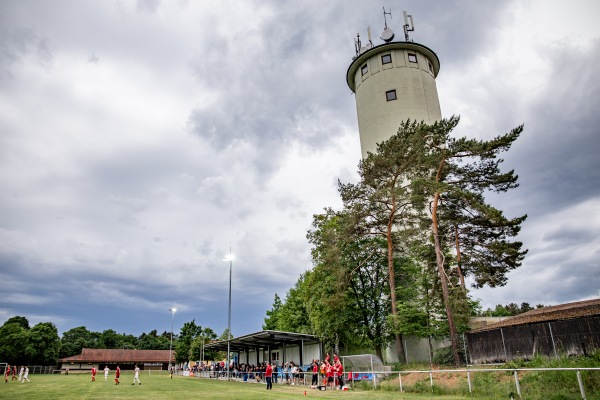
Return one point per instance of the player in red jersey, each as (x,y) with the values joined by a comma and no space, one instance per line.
(269,376)
(315,373)
(339,371)
(330,375)
(94,371)
(117,375)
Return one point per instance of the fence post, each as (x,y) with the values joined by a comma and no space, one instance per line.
(469,379)
(581,388)
(400,379)
(431,380)
(374,380)
(517,383)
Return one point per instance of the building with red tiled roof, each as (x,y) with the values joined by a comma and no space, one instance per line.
(124,358)
(565,329)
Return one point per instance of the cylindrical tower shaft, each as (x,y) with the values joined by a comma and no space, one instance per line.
(393,82)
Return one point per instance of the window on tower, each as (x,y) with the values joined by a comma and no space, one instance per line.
(390,95)
(412,57)
(364,69)
(386,59)
(430,67)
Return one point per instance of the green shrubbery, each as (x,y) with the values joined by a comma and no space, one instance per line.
(544,385)
(557,385)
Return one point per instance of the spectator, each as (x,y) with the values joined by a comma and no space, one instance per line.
(315,373)
(269,376)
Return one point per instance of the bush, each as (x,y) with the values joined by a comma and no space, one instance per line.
(445,356)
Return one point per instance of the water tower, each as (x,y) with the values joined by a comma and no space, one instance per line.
(393,81)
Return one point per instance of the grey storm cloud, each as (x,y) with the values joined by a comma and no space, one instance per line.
(139,140)
(557,158)
(16,43)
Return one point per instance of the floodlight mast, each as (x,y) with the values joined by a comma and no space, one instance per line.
(229,258)
(171,345)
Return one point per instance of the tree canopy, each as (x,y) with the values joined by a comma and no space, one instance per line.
(419,220)
(42,345)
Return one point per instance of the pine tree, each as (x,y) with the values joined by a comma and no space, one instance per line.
(462,172)
(384,197)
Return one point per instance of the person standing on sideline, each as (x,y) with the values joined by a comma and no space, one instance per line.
(286,373)
(171,373)
(330,374)
(26,375)
(269,376)
(136,375)
(117,375)
(339,370)
(322,370)
(275,373)
(21,371)
(94,371)
(315,375)
(294,373)
(106,369)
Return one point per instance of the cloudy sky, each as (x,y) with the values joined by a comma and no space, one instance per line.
(139,140)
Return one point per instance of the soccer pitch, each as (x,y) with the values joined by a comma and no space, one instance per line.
(158,386)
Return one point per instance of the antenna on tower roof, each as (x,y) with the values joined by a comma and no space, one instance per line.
(357,44)
(408,27)
(387,35)
(358,47)
(384,14)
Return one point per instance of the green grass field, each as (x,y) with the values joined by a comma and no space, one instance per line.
(157,386)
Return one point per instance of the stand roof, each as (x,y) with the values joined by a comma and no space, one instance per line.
(263,339)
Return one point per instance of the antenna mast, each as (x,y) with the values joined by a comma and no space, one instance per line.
(408,27)
(387,35)
(384,14)
(357,44)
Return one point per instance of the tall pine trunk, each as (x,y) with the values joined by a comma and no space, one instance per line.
(442,273)
(392,279)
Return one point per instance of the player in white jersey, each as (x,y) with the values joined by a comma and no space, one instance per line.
(136,375)
(26,375)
